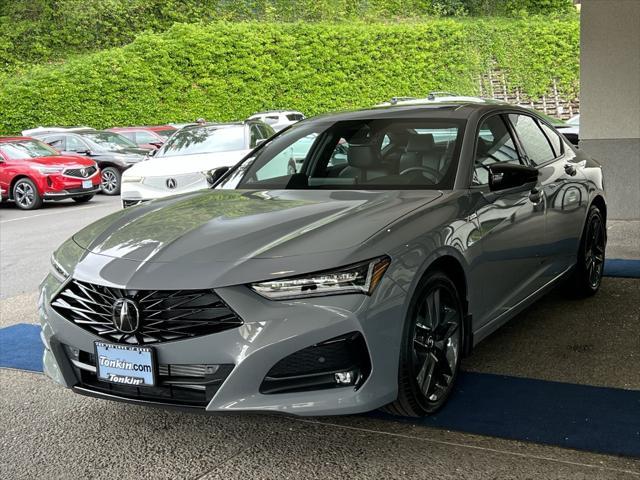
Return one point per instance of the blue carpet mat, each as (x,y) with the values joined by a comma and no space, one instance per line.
(622,268)
(603,420)
(21,347)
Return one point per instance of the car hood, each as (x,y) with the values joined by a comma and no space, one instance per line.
(237,225)
(177,164)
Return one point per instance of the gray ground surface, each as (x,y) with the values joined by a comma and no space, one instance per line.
(48,432)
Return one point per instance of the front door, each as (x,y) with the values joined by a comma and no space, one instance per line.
(512,225)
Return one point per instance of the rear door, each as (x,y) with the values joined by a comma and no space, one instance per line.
(511,224)
(561,183)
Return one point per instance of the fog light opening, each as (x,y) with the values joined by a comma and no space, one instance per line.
(349,377)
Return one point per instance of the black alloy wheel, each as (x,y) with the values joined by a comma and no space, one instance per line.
(587,274)
(26,195)
(432,347)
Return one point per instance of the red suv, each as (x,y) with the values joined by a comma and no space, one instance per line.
(146,137)
(31,171)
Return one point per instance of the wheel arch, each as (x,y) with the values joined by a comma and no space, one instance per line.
(452,266)
(16,179)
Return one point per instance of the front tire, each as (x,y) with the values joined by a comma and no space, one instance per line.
(26,195)
(431,348)
(83,198)
(587,274)
(110,181)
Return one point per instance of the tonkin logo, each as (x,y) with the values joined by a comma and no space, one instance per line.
(171,183)
(125,315)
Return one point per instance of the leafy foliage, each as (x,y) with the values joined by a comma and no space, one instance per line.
(47,30)
(224,71)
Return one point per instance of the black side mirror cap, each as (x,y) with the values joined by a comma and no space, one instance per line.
(503,176)
(216,174)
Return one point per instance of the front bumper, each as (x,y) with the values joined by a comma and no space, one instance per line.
(72,192)
(271,331)
(152,188)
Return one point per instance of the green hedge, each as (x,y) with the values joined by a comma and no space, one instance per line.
(48,30)
(226,71)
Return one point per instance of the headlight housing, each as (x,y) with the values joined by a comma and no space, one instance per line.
(58,270)
(132,179)
(361,278)
(46,170)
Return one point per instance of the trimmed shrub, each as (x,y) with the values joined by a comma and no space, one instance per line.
(224,71)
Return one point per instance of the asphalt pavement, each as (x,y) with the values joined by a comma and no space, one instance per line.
(49,432)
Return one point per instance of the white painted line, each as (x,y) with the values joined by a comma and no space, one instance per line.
(473,447)
(51,213)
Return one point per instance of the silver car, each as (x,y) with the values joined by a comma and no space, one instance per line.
(339,288)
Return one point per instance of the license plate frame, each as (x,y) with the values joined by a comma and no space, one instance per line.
(128,355)
(87,184)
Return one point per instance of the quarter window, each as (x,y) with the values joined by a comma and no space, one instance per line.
(553,137)
(532,139)
(495,145)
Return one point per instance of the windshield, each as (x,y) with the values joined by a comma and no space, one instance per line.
(208,139)
(376,154)
(27,149)
(109,140)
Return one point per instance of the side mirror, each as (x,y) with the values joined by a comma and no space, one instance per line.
(503,176)
(216,174)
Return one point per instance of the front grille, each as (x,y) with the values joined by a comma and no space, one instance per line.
(184,180)
(187,385)
(164,315)
(78,172)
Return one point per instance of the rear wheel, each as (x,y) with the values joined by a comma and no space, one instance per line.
(26,195)
(83,198)
(587,274)
(110,181)
(431,348)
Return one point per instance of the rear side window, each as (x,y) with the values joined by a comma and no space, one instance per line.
(534,142)
(553,137)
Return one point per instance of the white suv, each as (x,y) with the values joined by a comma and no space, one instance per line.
(278,119)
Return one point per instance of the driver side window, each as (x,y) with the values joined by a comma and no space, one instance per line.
(75,145)
(495,144)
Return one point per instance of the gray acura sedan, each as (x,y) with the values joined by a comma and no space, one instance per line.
(347,285)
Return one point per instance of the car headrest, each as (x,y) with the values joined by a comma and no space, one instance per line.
(363,156)
(420,143)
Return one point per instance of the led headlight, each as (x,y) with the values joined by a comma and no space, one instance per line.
(57,270)
(132,179)
(46,170)
(358,278)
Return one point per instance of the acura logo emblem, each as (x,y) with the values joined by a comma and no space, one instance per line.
(125,315)
(171,183)
(84,173)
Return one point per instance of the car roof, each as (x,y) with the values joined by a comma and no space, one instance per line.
(268,112)
(460,110)
(47,130)
(153,128)
(14,139)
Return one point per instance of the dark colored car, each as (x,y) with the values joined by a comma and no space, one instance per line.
(112,152)
(337,289)
(31,172)
(146,137)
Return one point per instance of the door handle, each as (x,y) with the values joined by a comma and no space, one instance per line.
(535,195)
(570,169)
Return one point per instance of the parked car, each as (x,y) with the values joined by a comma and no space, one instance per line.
(146,137)
(278,119)
(340,288)
(31,172)
(185,162)
(112,152)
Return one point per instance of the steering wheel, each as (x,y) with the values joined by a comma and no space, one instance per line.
(431,172)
